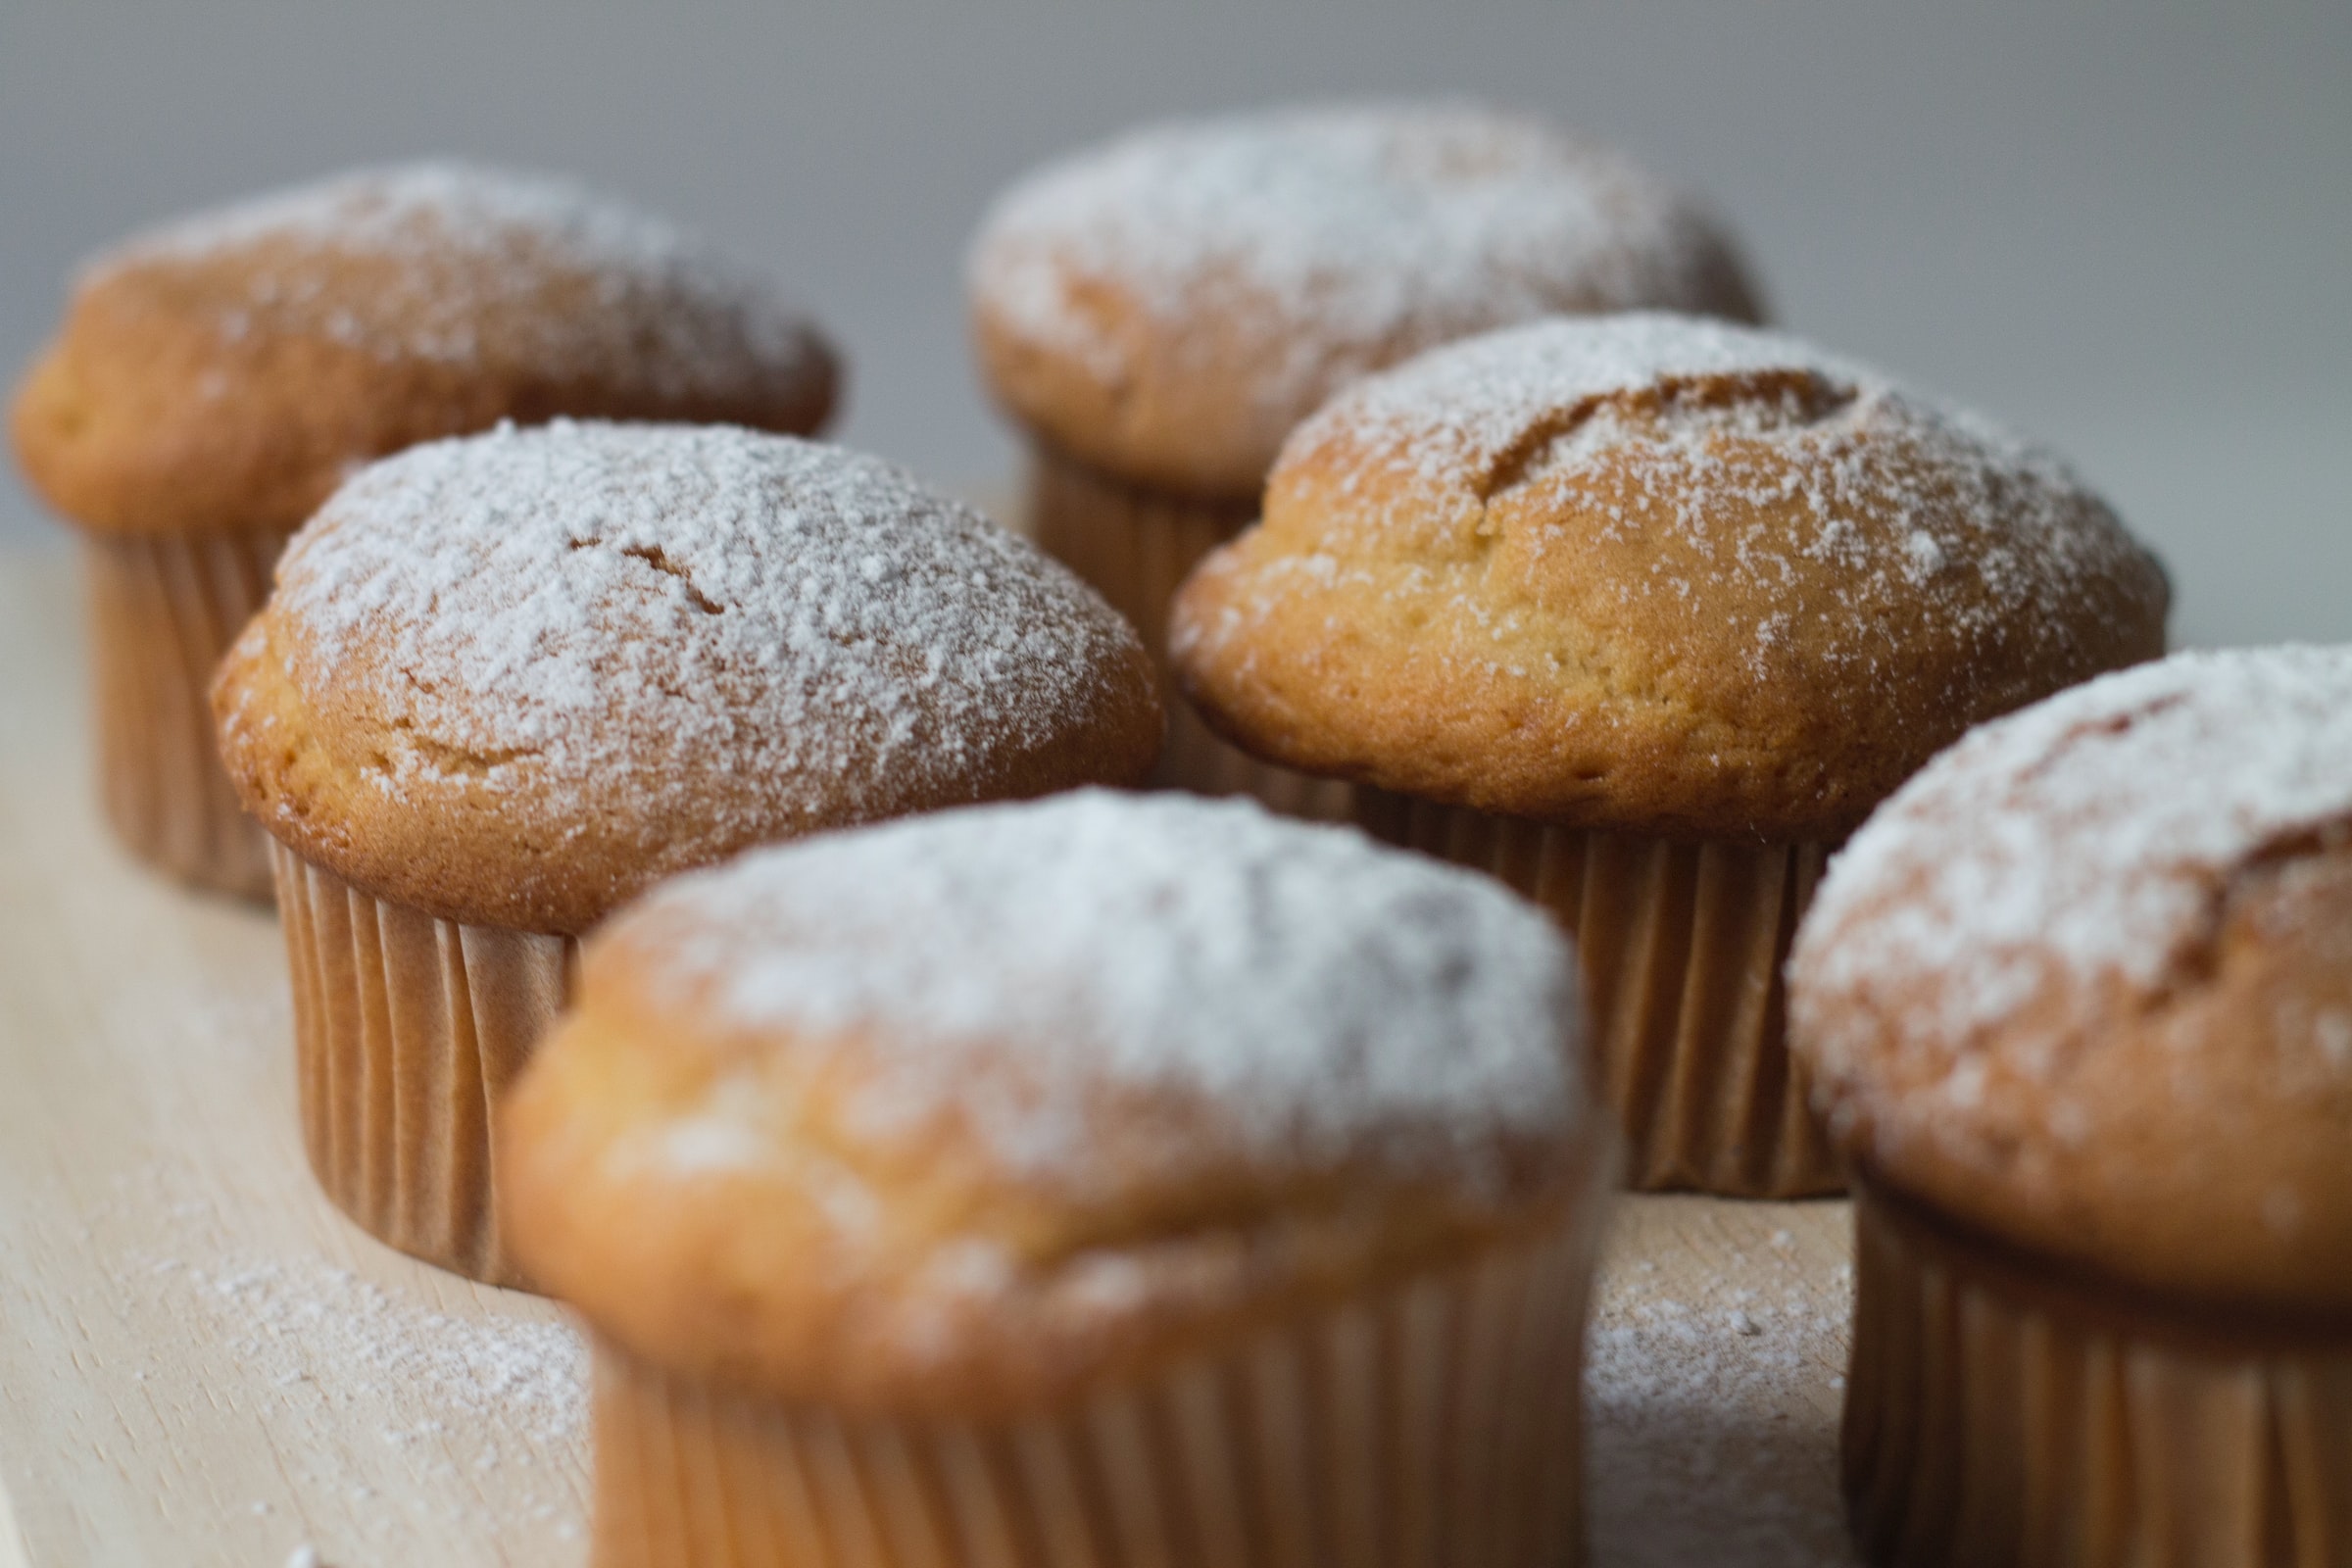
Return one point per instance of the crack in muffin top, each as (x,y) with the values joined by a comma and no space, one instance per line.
(520,674)
(1652,572)
(2086,981)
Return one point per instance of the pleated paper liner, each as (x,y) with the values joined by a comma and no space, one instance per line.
(1132,544)
(1135,546)
(1435,1426)
(163,612)
(407,1028)
(1197,760)
(1995,1415)
(1682,944)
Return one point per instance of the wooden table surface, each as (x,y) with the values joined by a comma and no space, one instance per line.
(202,1363)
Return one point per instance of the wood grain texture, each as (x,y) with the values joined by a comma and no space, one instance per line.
(201,1362)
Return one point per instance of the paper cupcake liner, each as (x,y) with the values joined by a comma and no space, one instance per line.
(1683,943)
(407,1028)
(1994,1415)
(1195,759)
(1435,1426)
(163,612)
(1135,546)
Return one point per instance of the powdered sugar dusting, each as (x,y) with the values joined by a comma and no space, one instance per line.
(1578,504)
(463,250)
(1360,234)
(1456,413)
(657,621)
(1326,998)
(485,1415)
(1513,406)
(1711,1414)
(308,1324)
(2075,843)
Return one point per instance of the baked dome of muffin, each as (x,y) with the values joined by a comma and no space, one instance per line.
(2085,983)
(225,373)
(1167,307)
(968,1112)
(514,678)
(1652,572)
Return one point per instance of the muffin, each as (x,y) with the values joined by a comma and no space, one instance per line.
(507,681)
(1158,314)
(1642,613)
(216,379)
(1113,1179)
(2077,1005)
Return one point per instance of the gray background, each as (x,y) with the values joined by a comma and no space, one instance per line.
(2127,228)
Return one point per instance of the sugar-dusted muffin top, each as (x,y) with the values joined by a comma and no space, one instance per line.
(227,372)
(1168,305)
(1655,573)
(514,677)
(2086,981)
(968,1112)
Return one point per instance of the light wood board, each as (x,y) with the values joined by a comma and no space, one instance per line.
(202,1363)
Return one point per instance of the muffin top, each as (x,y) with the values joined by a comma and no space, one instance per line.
(965,1112)
(514,677)
(226,373)
(1653,574)
(2086,981)
(1169,305)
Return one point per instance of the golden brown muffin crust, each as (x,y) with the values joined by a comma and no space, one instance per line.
(511,679)
(228,373)
(1651,573)
(1167,307)
(2086,983)
(971,1112)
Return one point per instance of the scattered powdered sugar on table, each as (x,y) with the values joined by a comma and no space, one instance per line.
(1710,1426)
(323,1332)
(459,249)
(2082,839)
(665,618)
(1326,998)
(481,1419)
(1363,232)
